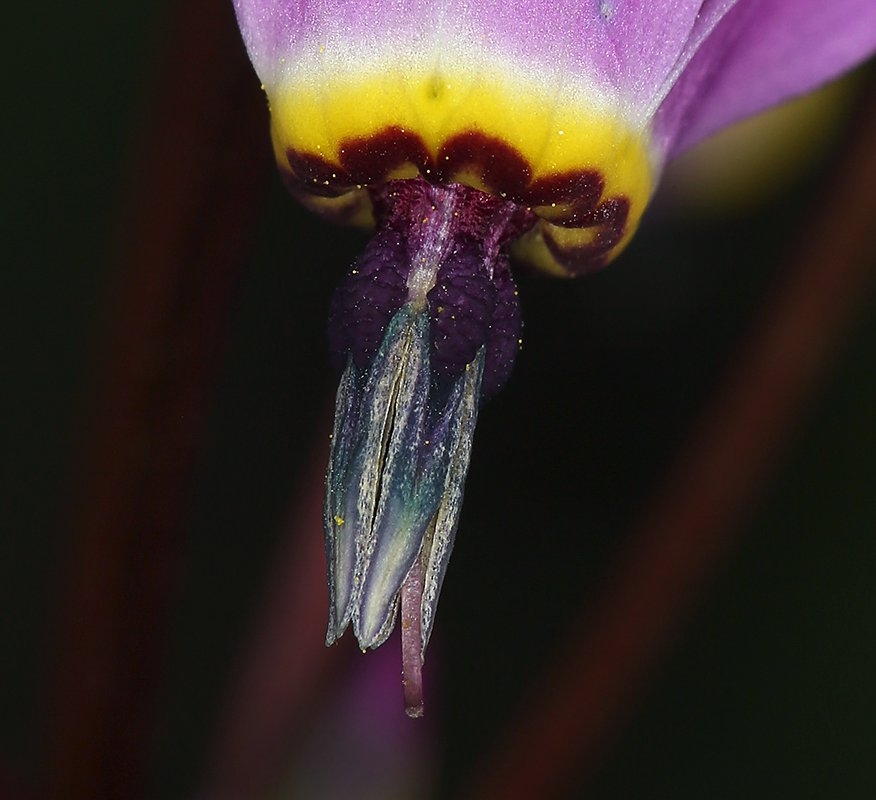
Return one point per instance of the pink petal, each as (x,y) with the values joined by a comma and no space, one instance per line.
(630,50)
(763,52)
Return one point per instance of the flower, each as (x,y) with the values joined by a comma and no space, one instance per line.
(473,133)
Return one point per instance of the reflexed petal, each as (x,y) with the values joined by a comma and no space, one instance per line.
(763,52)
(518,99)
(652,42)
(631,50)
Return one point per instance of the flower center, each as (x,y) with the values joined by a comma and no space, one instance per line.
(442,249)
(426,325)
(568,154)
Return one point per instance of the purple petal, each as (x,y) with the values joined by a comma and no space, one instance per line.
(652,42)
(630,50)
(763,52)
(634,49)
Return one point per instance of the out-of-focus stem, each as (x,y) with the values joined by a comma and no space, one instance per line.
(277,693)
(199,171)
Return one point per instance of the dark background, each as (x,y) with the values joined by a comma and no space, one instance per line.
(768,694)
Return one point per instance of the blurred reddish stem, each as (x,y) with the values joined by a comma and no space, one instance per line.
(200,171)
(575,713)
(276,693)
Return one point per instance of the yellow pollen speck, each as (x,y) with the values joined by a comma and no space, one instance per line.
(338,520)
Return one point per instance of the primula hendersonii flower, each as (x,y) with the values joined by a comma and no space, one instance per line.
(470,132)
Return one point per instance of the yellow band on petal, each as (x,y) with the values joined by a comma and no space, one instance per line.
(503,135)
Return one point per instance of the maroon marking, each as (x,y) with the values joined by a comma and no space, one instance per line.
(501,168)
(369,159)
(482,212)
(316,174)
(583,187)
(610,220)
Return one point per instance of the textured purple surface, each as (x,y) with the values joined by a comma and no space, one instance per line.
(472,302)
(470,308)
(460,310)
(365,301)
